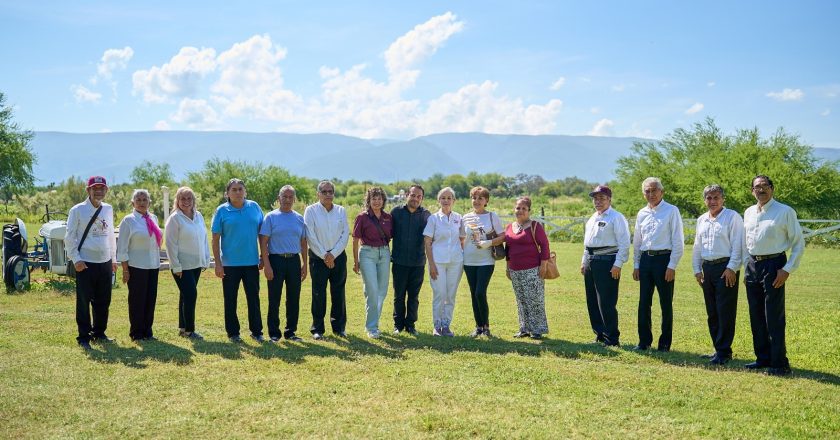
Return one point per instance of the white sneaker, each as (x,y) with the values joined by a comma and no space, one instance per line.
(373,335)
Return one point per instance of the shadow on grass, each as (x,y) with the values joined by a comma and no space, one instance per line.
(64,286)
(686,359)
(135,356)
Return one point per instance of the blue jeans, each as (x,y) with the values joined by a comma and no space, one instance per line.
(373,263)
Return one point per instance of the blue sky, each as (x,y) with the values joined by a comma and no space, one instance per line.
(404,69)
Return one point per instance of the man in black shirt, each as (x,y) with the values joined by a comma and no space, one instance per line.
(409,259)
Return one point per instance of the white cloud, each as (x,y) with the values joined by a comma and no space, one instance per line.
(696,108)
(476,108)
(180,77)
(787,95)
(250,83)
(112,60)
(195,113)
(558,84)
(636,131)
(618,88)
(711,84)
(595,110)
(825,112)
(421,42)
(604,127)
(162,125)
(83,94)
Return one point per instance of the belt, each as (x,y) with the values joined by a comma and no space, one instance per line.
(602,250)
(374,247)
(766,257)
(285,255)
(718,261)
(655,253)
(610,257)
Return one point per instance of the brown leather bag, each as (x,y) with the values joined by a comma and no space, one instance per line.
(551,271)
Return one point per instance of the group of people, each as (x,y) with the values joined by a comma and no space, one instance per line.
(723,243)
(287,247)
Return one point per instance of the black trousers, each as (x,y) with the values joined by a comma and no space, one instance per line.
(142,295)
(721,306)
(93,292)
(767,311)
(652,275)
(478,277)
(407,281)
(337,278)
(602,298)
(250,278)
(286,270)
(187,297)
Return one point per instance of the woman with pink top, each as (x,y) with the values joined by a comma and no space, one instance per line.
(527,254)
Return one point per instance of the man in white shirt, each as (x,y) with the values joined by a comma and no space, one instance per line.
(327,232)
(716,260)
(657,249)
(771,228)
(91,245)
(606,248)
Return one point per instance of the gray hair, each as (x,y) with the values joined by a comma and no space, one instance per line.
(323,183)
(286,188)
(713,188)
(654,180)
(445,190)
(138,192)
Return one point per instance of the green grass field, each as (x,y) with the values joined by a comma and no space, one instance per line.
(407,387)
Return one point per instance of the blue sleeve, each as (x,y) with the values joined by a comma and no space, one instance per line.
(216,223)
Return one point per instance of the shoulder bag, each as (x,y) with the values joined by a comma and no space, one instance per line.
(551,271)
(498,252)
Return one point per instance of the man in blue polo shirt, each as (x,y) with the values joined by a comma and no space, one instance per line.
(282,245)
(235,228)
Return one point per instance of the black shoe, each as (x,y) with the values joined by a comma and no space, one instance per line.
(477,332)
(412,331)
(258,338)
(609,343)
(708,356)
(103,339)
(195,336)
(522,334)
(397,331)
(599,340)
(342,334)
(85,345)
(756,365)
(663,349)
(487,333)
(295,338)
(641,347)
(150,338)
(536,336)
(275,339)
(235,339)
(720,360)
(778,371)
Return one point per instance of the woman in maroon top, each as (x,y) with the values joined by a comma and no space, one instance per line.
(373,228)
(527,253)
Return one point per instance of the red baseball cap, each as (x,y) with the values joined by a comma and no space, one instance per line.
(97,180)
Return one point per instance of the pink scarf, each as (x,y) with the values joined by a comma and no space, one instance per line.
(153,228)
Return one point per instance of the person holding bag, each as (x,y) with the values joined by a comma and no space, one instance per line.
(529,263)
(373,229)
(479,264)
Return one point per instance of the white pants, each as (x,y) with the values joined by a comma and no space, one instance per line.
(443,292)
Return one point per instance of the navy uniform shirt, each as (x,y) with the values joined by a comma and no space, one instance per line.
(407,249)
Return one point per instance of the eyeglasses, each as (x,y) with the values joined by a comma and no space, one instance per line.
(327,192)
(760,187)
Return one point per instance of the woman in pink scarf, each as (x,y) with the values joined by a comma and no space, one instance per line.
(138,250)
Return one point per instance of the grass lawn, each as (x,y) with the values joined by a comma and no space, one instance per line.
(407,387)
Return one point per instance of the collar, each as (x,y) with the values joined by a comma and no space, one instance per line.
(230,207)
(766,206)
(606,212)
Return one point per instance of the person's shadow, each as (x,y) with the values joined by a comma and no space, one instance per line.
(135,356)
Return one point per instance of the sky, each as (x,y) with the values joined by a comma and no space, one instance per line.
(399,69)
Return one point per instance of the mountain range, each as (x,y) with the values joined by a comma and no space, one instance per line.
(114,155)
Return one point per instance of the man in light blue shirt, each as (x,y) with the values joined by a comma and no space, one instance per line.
(235,228)
(282,246)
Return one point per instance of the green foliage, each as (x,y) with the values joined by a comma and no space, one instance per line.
(262,182)
(16,156)
(688,160)
(152,174)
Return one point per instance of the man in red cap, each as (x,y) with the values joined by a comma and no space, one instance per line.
(606,248)
(91,245)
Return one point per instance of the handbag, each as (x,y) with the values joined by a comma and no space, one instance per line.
(498,252)
(551,271)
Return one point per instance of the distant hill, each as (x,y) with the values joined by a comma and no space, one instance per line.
(325,155)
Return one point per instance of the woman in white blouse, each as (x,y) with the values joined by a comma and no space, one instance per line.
(444,242)
(138,250)
(189,254)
